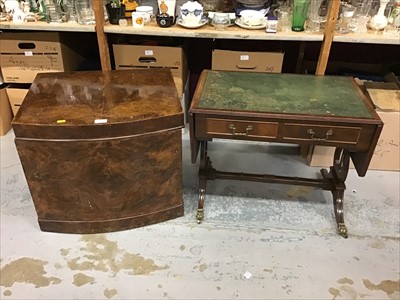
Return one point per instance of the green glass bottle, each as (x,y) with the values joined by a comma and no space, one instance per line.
(300,9)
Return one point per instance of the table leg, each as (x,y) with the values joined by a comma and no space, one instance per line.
(202,181)
(337,175)
(206,171)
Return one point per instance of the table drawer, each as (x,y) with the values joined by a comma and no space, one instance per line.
(229,128)
(322,133)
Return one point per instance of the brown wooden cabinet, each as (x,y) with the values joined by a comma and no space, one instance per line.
(102,150)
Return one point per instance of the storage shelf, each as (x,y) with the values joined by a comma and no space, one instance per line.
(208,31)
(368,38)
(40,25)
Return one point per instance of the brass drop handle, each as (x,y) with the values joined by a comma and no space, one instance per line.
(327,135)
(248,129)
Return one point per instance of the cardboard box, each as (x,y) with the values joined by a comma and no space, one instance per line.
(23,55)
(148,56)
(5,112)
(16,95)
(263,62)
(387,152)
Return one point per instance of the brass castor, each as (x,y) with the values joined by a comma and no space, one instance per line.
(199,216)
(342,230)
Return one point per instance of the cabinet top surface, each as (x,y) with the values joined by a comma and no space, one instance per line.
(330,96)
(93,97)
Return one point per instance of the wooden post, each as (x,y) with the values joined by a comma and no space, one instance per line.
(101,36)
(333,11)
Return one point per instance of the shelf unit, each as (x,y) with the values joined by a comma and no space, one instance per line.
(43,26)
(367,38)
(101,29)
(230,33)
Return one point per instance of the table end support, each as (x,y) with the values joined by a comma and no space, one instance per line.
(335,182)
(200,206)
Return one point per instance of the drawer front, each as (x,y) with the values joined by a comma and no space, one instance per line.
(323,134)
(237,128)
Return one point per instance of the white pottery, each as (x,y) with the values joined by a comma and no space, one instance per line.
(252,17)
(220,21)
(379,21)
(191,12)
(148,12)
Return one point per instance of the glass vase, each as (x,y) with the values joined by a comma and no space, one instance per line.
(300,9)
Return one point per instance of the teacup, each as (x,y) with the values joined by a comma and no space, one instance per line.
(137,19)
(148,12)
(232,16)
(191,12)
(252,17)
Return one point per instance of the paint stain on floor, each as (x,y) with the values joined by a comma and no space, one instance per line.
(377,245)
(109,293)
(101,254)
(82,279)
(345,280)
(349,292)
(58,266)
(298,192)
(98,254)
(346,290)
(203,267)
(26,270)
(390,287)
(64,252)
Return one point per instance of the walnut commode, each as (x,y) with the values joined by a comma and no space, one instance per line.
(102,151)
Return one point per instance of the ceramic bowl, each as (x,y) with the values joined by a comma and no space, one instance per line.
(232,16)
(220,21)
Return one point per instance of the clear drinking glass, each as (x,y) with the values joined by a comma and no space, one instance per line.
(345,18)
(54,13)
(284,18)
(70,6)
(314,19)
(85,12)
(394,21)
(358,23)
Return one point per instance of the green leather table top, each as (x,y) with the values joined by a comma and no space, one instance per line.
(283,93)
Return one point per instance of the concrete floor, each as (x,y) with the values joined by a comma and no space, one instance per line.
(258,241)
